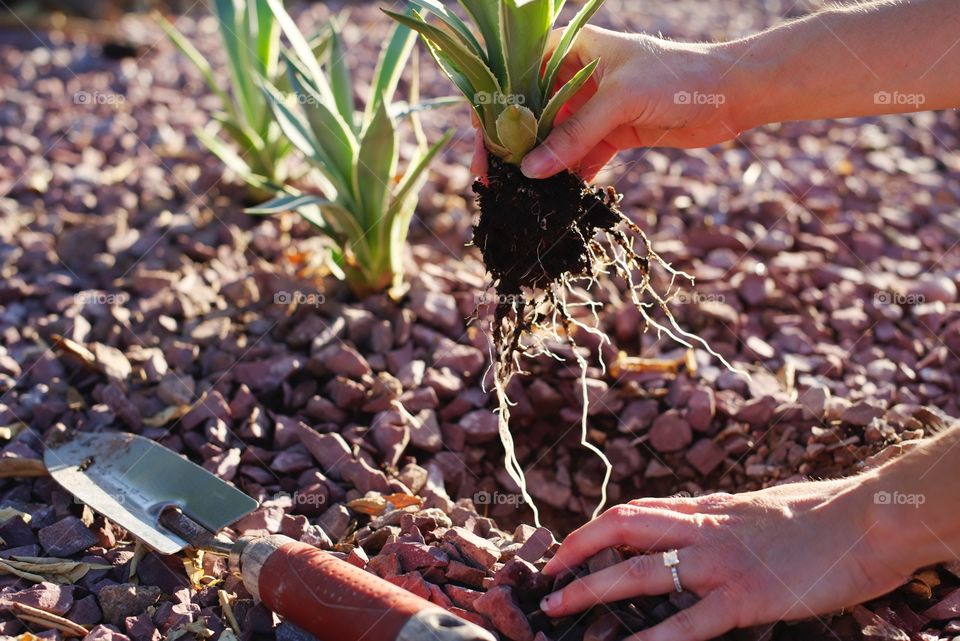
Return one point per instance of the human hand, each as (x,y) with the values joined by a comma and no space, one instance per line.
(645,92)
(787,552)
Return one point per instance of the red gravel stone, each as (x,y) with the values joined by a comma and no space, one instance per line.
(701,408)
(461,573)
(536,545)
(498,605)
(416,556)
(476,549)
(705,456)
(462,597)
(670,432)
(66,537)
(412,582)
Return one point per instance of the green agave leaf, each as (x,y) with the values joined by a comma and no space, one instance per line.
(302,50)
(376,166)
(559,99)
(245,137)
(517,129)
(393,57)
(233,161)
(460,58)
(320,42)
(195,57)
(298,132)
(340,81)
(330,131)
(486,13)
(267,37)
(461,81)
(416,169)
(400,110)
(524,30)
(231,24)
(393,233)
(452,20)
(566,42)
(347,228)
(286,202)
(336,263)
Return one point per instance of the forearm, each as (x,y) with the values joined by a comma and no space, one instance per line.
(913,504)
(885,57)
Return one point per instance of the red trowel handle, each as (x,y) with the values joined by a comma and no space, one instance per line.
(337,601)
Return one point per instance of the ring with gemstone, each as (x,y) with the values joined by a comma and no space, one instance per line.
(671,559)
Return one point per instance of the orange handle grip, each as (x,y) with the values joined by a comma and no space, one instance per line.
(337,601)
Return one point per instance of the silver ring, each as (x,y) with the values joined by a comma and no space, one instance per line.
(671,559)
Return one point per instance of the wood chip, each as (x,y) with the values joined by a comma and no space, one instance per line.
(225,604)
(48,620)
(166,416)
(22,468)
(633,365)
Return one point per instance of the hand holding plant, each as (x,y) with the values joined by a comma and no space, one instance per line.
(540,239)
(645,92)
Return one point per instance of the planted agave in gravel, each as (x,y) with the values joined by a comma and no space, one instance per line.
(544,242)
(355,194)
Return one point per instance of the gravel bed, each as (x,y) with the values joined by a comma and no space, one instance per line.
(135,295)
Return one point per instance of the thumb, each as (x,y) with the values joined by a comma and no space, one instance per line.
(571,140)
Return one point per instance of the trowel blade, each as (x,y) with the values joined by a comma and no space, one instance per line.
(131,480)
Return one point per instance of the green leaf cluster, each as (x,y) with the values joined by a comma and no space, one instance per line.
(251,40)
(365,203)
(497,65)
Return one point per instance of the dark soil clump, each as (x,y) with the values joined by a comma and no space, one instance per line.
(534,232)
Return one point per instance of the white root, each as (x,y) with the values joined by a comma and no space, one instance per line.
(523,333)
(608,466)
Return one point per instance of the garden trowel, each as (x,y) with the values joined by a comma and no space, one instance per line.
(170,503)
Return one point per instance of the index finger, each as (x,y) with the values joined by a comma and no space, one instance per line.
(641,528)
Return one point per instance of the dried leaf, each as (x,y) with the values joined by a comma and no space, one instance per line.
(375,504)
(22,468)
(47,619)
(168,415)
(197,628)
(632,365)
(40,569)
(401,500)
(77,351)
(370,505)
(193,563)
(139,550)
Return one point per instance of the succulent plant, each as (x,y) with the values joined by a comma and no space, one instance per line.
(363,203)
(501,76)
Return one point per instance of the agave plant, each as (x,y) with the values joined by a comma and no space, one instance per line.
(251,39)
(360,202)
(515,103)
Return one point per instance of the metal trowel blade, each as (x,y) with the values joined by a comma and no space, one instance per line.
(131,480)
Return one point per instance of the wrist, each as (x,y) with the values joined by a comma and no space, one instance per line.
(750,82)
(903,521)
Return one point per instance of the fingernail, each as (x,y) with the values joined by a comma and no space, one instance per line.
(537,164)
(551,602)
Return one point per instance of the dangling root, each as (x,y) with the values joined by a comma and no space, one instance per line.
(561,305)
(569,236)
